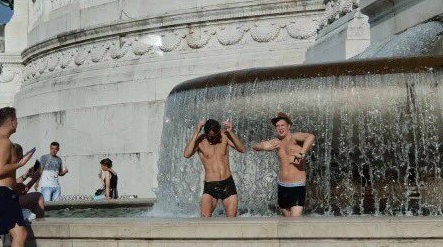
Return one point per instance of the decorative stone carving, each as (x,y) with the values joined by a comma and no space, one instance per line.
(171,40)
(336,9)
(140,46)
(66,58)
(82,55)
(32,69)
(118,48)
(264,31)
(302,29)
(198,37)
(231,34)
(11,75)
(53,62)
(98,51)
(7,75)
(42,65)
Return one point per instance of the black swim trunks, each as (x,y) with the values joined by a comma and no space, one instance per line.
(220,189)
(290,195)
(10,211)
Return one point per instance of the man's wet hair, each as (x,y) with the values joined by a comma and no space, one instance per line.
(106,162)
(213,125)
(6,113)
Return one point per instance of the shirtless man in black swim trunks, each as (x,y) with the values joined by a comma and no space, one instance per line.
(212,147)
(291,149)
(11,217)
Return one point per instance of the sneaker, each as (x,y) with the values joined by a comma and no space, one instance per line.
(28,215)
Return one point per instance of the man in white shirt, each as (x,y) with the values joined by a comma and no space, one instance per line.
(51,168)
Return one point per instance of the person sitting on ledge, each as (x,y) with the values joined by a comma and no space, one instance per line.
(33,200)
(108,178)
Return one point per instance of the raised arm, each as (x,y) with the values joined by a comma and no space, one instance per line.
(267,145)
(192,145)
(233,141)
(308,140)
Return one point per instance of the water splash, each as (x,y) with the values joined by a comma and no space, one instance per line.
(378,149)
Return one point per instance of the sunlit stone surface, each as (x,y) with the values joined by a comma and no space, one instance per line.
(97,73)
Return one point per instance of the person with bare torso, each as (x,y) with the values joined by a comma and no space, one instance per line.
(212,148)
(11,216)
(291,149)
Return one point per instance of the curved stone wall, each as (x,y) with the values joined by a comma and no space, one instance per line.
(96,80)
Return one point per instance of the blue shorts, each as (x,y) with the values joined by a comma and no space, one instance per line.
(10,211)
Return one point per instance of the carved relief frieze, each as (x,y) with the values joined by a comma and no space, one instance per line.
(11,74)
(264,31)
(336,9)
(134,46)
(118,47)
(198,37)
(53,61)
(140,45)
(7,75)
(82,54)
(98,51)
(42,65)
(67,57)
(231,34)
(172,40)
(302,29)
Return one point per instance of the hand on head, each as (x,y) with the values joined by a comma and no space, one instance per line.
(228,126)
(200,125)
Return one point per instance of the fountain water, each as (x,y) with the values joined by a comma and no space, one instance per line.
(378,125)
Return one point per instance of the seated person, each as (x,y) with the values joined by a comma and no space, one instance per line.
(108,178)
(33,200)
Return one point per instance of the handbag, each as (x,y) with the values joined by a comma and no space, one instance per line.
(100,191)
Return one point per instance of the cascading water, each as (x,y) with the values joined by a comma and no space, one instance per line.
(378,128)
